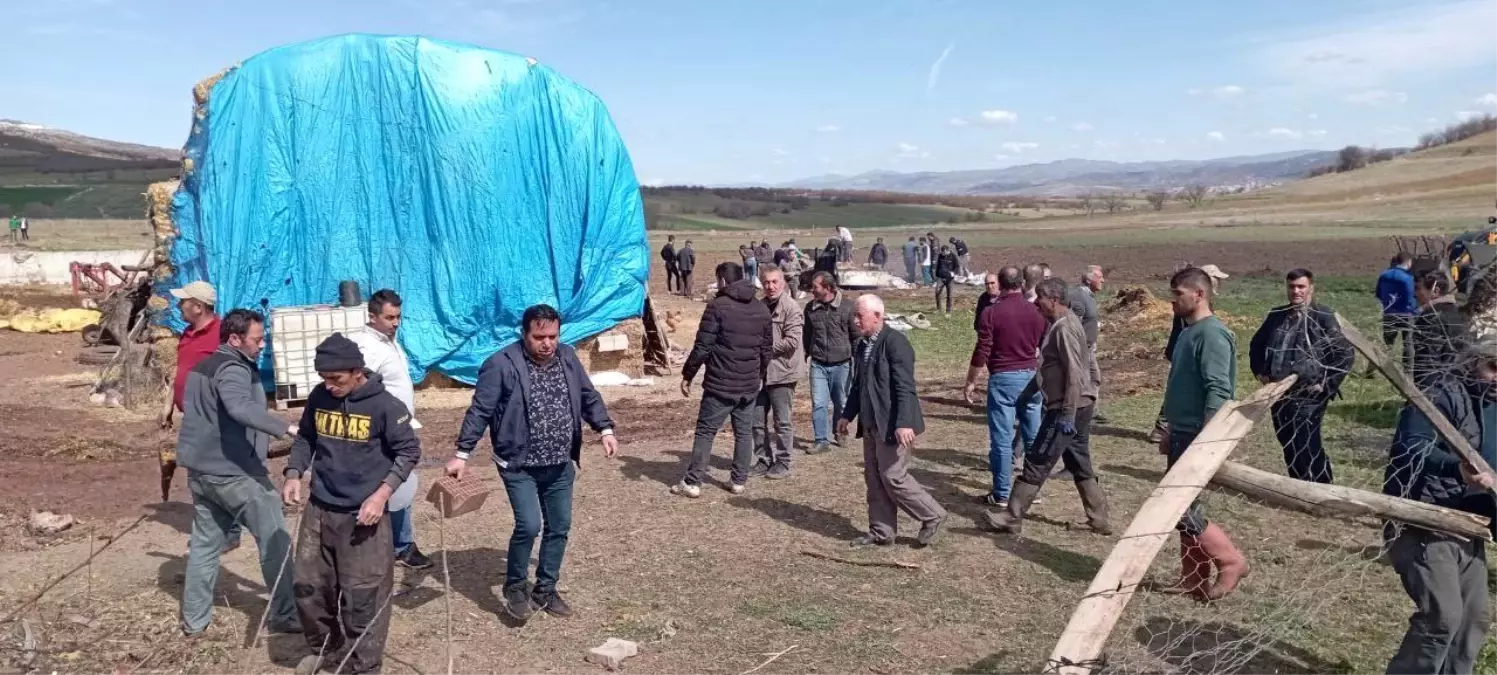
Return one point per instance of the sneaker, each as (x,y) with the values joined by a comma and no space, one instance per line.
(819,448)
(736,488)
(840,440)
(1157,434)
(994,502)
(761,469)
(517,603)
(414,559)
(686,489)
(928,532)
(778,472)
(551,603)
(870,540)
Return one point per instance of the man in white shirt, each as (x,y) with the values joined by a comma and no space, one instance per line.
(384,356)
(845,235)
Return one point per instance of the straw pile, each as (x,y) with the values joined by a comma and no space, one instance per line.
(630,361)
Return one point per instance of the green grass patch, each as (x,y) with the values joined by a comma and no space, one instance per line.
(799,615)
(17,198)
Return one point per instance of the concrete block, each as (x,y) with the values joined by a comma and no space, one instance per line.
(611,654)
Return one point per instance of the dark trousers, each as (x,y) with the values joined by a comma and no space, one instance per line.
(1053,445)
(672,278)
(541,497)
(344,575)
(772,449)
(684,283)
(1296,423)
(1447,580)
(1399,327)
(891,488)
(710,417)
(943,285)
(1194,521)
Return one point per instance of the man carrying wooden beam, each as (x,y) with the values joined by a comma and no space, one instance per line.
(1203,376)
(1445,575)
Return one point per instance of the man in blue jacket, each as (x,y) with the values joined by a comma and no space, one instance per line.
(1395,292)
(1445,576)
(533,397)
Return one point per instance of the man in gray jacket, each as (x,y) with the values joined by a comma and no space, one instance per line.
(785,364)
(226,432)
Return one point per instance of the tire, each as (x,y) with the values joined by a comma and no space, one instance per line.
(96,356)
(92,335)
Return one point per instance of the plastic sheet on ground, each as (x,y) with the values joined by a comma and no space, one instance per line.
(476,183)
(906,322)
(51,320)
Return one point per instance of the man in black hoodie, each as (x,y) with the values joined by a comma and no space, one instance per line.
(735,342)
(360,439)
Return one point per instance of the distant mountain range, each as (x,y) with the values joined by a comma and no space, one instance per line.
(1069,177)
(32,148)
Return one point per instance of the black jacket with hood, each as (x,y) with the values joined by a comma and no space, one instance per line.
(735,342)
(355,443)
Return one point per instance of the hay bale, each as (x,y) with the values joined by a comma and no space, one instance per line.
(630,361)
(202,90)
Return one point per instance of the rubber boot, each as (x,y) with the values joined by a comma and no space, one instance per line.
(1011,521)
(1231,565)
(1195,570)
(1094,503)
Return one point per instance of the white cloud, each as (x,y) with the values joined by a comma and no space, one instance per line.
(1281,132)
(1215,136)
(999,117)
(828,129)
(1464,115)
(1487,100)
(1081,126)
(1376,97)
(906,147)
(957,122)
(1312,116)
(1223,92)
(1316,133)
(1050,118)
(1019,147)
(910,151)
(934,76)
(1000,157)
(1375,47)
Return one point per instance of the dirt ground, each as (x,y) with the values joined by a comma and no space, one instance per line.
(718,584)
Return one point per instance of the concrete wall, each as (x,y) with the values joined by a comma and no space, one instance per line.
(51,267)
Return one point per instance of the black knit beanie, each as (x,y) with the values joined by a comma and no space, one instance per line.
(338,353)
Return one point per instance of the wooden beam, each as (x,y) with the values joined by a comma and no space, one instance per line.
(1345,502)
(1453,438)
(1078,649)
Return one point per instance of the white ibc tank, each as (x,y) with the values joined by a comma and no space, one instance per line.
(295,333)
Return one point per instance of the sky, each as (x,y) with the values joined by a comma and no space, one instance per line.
(767,91)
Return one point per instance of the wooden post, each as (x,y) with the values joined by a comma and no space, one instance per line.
(1344,502)
(1077,650)
(1453,438)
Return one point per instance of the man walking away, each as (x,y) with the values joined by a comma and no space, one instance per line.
(672,271)
(785,367)
(359,437)
(384,356)
(1302,338)
(911,259)
(224,442)
(946,269)
(1177,326)
(878,255)
(686,261)
(830,333)
(1202,379)
(1069,392)
(989,296)
(735,343)
(533,397)
(1395,292)
(844,235)
(1083,302)
(927,255)
(199,340)
(1441,331)
(1008,344)
(750,261)
(1033,275)
(963,256)
(887,409)
(1445,576)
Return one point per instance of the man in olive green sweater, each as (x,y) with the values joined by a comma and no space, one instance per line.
(1203,377)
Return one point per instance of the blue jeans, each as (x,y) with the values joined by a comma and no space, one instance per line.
(539,495)
(927,275)
(829,385)
(1193,522)
(404,529)
(1004,390)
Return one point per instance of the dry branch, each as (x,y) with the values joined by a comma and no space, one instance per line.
(1078,648)
(862,563)
(1340,501)
(769,661)
(1469,456)
(70,572)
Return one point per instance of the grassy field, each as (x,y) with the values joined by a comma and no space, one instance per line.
(101,194)
(695,212)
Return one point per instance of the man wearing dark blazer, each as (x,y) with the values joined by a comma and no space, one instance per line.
(884,403)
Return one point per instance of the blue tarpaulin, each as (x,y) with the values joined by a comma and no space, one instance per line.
(475,183)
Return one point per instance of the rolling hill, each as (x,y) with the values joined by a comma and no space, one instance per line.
(50,173)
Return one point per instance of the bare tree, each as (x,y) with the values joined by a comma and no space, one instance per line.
(1089,202)
(1113,202)
(1157,199)
(1195,195)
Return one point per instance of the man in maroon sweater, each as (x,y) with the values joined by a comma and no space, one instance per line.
(1008,343)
